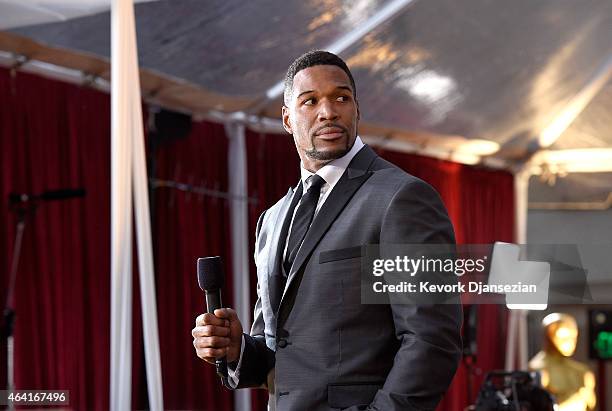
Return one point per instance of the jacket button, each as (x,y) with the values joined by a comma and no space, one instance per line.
(282,343)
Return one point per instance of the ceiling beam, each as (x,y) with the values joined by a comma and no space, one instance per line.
(582,160)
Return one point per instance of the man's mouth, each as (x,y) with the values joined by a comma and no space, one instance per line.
(330,133)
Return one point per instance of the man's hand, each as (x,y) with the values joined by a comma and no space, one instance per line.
(218,336)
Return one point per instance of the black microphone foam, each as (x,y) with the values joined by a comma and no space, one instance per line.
(210,280)
(210,273)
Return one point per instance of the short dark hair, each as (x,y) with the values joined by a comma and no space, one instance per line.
(315,58)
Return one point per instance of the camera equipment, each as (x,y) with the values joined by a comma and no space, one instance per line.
(513,391)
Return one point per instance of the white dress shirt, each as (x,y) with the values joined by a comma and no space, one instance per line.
(331,173)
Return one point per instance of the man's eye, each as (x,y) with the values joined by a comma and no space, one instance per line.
(343,98)
(309,102)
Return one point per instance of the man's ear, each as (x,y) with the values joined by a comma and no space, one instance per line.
(286,120)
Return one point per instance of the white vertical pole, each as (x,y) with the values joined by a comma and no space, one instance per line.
(523,339)
(237,171)
(121,216)
(521,192)
(148,300)
(129,167)
(511,341)
(517,324)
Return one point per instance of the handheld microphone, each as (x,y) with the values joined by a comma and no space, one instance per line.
(210,280)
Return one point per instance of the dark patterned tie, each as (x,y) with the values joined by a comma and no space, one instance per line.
(303,218)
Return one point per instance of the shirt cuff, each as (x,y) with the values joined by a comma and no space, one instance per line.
(233,374)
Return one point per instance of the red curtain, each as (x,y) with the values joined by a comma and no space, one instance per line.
(56,135)
(188,226)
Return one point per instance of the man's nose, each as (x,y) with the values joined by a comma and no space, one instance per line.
(327,111)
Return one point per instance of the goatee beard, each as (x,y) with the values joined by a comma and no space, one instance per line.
(326,155)
(315,154)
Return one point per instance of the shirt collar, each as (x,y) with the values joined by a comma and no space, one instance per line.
(332,171)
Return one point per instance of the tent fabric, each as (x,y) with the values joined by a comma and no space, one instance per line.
(435,78)
(589,129)
(592,127)
(432,79)
(474,69)
(17,13)
(158,88)
(241,62)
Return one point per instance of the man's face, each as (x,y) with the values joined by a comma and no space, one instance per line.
(322,115)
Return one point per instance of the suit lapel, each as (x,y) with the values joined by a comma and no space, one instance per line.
(354,176)
(279,237)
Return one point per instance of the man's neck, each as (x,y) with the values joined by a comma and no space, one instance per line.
(313,165)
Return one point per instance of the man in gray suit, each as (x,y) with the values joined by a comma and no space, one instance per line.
(313,344)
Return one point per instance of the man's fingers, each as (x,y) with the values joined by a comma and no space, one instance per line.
(211,342)
(211,348)
(210,331)
(227,313)
(210,319)
(211,335)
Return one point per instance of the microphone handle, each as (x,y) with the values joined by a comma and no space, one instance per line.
(213,301)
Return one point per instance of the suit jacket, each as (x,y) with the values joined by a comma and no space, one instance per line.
(329,351)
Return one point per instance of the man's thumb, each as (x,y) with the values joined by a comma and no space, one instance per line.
(226,313)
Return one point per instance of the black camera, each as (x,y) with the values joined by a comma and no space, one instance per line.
(513,391)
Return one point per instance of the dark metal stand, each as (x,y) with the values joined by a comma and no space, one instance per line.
(470,347)
(9,310)
(23,204)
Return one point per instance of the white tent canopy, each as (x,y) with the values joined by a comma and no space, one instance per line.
(19,13)
(475,82)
